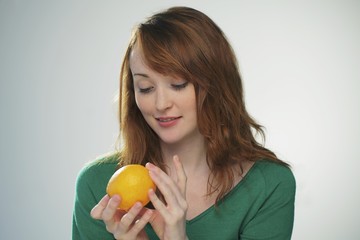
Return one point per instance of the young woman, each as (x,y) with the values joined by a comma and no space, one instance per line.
(183,116)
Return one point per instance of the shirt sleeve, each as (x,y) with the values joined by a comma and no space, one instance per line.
(274,219)
(84,226)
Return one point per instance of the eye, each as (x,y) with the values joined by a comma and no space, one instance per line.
(180,86)
(145,90)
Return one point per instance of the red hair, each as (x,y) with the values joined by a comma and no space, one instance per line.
(185,42)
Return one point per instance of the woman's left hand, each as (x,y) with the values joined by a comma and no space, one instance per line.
(169,219)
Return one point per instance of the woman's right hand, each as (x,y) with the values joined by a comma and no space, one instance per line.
(123,225)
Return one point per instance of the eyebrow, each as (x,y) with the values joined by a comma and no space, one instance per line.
(141,74)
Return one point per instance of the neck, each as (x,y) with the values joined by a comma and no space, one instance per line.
(192,155)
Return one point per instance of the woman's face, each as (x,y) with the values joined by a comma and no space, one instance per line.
(167,103)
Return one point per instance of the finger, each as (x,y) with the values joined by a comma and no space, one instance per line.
(158,204)
(166,185)
(133,222)
(176,205)
(181,175)
(111,208)
(129,218)
(97,211)
(141,223)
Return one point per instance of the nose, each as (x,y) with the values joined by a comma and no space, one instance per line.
(163,99)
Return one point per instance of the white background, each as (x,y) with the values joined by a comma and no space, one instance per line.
(59,68)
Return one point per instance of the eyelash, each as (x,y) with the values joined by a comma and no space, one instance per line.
(177,87)
(145,90)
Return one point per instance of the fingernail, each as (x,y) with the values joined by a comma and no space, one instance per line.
(151,191)
(137,205)
(150,165)
(116,198)
(148,213)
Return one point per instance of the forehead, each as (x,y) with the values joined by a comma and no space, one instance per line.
(138,63)
(136,59)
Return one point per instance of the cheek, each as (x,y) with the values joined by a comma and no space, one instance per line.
(191,102)
(191,105)
(142,104)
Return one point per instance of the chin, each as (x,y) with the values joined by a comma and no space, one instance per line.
(169,141)
(172,139)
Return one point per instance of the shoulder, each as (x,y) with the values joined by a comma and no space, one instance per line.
(274,171)
(273,176)
(95,174)
(90,188)
(100,164)
(271,196)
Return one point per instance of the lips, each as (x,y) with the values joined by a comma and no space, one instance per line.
(167,121)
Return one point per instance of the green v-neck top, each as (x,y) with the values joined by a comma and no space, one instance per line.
(260,206)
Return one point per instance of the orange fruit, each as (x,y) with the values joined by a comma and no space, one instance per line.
(132,183)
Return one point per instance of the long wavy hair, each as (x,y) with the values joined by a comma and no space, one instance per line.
(185,42)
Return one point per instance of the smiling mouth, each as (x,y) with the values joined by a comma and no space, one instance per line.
(167,119)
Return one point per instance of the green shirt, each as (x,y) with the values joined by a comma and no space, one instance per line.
(260,206)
